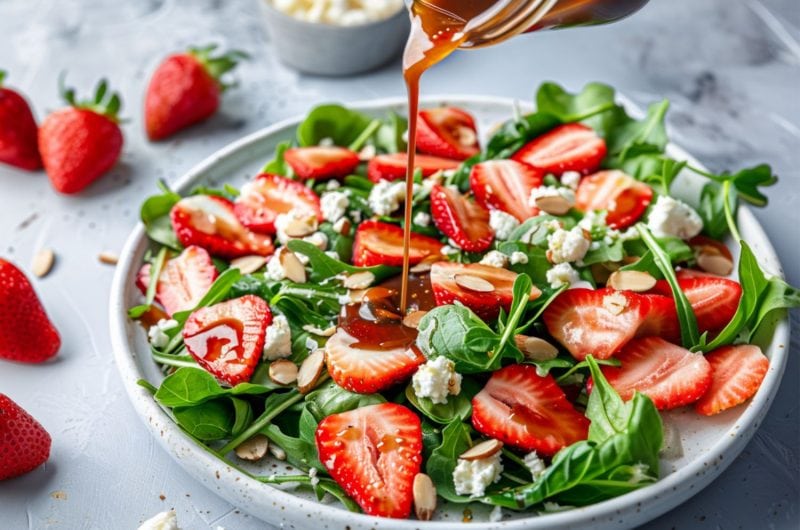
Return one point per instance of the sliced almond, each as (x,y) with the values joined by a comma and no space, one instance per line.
(253,449)
(713,263)
(43,262)
(107,257)
(292,267)
(553,204)
(636,281)
(277,452)
(424,497)
(301,226)
(474,283)
(615,303)
(359,280)
(283,372)
(535,348)
(482,450)
(465,135)
(249,264)
(342,226)
(412,319)
(327,332)
(310,371)
(356,295)
(421,267)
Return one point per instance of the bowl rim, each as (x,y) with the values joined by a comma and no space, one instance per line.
(699,472)
(370,24)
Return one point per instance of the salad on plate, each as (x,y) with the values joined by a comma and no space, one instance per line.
(560,297)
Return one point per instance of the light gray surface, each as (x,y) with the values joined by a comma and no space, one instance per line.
(732,70)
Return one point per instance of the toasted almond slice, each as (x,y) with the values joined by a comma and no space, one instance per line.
(359,280)
(277,452)
(482,450)
(553,204)
(715,263)
(249,264)
(465,135)
(412,319)
(283,372)
(535,348)
(615,303)
(636,281)
(43,262)
(107,257)
(356,295)
(342,226)
(421,267)
(292,267)
(474,283)
(253,449)
(310,371)
(301,227)
(327,332)
(424,497)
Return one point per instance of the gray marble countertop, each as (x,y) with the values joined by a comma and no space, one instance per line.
(731,68)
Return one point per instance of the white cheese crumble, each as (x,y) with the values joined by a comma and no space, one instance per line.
(494,258)
(162,521)
(332,185)
(551,191)
(571,179)
(386,197)
(157,334)
(562,274)
(496,515)
(502,223)
(593,220)
(312,475)
(447,250)
(472,477)
(519,258)
(565,246)
(437,379)
(296,218)
(534,464)
(318,239)
(334,205)
(333,254)
(671,217)
(275,270)
(422,219)
(339,12)
(326,142)
(278,342)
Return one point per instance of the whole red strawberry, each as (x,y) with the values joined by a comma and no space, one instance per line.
(18,145)
(81,142)
(26,334)
(24,444)
(185,89)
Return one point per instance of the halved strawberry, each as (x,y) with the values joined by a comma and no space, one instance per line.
(362,369)
(227,339)
(373,453)
(183,281)
(568,147)
(460,219)
(669,375)
(321,163)
(482,288)
(598,321)
(448,132)
(623,197)
(528,412)
(393,166)
(210,222)
(506,185)
(661,320)
(268,196)
(714,299)
(736,375)
(379,243)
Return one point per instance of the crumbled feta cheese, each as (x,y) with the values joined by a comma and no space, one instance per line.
(534,464)
(562,274)
(157,334)
(519,258)
(318,239)
(447,250)
(162,521)
(339,12)
(422,219)
(436,379)
(550,507)
(334,205)
(496,515)
(296,220)
(312,475)
(278,342)
(503,224)
(494,258)
(671,217)
(593,220)
(333,254)
(355,215)
(275,269)
(342,225)
(472,477)
(571,179)
(565,246)
(311,344)
(326,142)
(386,197)
(551,191)
(332,185)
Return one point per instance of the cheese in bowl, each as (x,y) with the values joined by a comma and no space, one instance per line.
(339,12)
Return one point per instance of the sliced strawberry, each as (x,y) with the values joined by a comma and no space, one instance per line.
(528,412)
(448,132)
(599,321)
(482,288)
(736,375)
(321,163)
(210,222)
(373,453)
(505,185)
(714,299)
(669,375)
(378,243)
(184,280)
(568,147)
(661,320)
(227,339)
(463,221)
(623,197)
(393,166)
(362,368)
(268,196)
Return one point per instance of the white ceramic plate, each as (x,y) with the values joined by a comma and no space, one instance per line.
(709,445)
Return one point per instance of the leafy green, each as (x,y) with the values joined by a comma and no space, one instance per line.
(712,210)
(443,460)
(593,104)
(278,165)
(614,252)
(389,137)
(457,407)
(299,452)
(324,266)
(156,266)
(635,138)
(193,386)
(537,265)
(336,122)
(208,421)
(155,216)
(330,398)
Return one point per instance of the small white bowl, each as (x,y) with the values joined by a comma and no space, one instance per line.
(326,49)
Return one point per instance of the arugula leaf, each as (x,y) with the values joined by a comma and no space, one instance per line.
(505,346)
(670,169)
(336,122)
(614,252)
(443,460)
(278,165)
(324,266)
(640,137)
(155,216)
(748,180)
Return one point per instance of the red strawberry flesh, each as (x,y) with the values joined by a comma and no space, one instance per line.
(737,373)
(506,185)
(448,132)
(379,243)
(569,147)
(393,166)
(321,162)
(262,200)
(463,221)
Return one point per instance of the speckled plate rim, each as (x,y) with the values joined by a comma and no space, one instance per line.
(288,509)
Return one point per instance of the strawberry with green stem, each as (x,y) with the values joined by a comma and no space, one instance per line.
(18,145)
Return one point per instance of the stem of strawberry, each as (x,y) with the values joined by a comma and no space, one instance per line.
(218,66)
